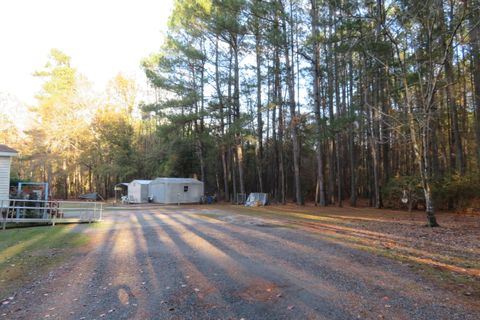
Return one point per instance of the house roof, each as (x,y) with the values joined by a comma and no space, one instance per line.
(7,151)
(176,180)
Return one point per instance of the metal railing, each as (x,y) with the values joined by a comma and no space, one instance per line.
(41,211)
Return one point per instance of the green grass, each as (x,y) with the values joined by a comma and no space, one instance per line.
(27,253)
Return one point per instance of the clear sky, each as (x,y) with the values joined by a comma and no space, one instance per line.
(103,37)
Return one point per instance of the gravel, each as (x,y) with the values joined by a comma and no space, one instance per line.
(170,263)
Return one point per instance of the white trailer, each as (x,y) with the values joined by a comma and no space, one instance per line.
(176,190)
(138,191)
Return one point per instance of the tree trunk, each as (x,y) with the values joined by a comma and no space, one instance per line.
(280,178)
(420,149)
(259,145)
(226,195)
(338,163)
(320,192)
(475,47)
(457,153)
(331,118)
(294,119)
(369,96)
(374,154)
(222,125)
(236,104)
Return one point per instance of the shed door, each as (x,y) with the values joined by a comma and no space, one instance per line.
(144,193)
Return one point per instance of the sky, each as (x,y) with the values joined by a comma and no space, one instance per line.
(103,38)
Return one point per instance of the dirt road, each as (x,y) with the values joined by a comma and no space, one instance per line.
(180,263)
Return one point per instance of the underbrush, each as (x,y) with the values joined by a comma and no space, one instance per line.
(452,192)
(458,192)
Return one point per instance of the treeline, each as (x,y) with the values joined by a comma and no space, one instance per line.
(322,100)
(77,140)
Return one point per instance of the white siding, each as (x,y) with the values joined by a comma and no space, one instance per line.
(176,190)
(4,177)
(157,191)
(138,191)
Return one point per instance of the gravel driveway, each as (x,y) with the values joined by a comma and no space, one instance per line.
(179,263)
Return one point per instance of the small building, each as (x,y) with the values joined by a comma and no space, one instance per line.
(138,191)
(121,191)
(176,190)
(6,154)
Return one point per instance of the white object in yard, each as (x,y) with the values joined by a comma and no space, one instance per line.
(138,191)
(176,190)
(256,199)
(6,154)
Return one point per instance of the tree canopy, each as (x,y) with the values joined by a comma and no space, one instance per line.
(317,100)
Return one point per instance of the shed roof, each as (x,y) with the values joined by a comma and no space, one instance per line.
(142,181)
(7,151)
(125,184)
(177,180)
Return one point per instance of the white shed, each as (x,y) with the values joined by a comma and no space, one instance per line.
(6,154)
(176,190)
(138,191)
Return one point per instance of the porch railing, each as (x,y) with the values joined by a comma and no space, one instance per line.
(41,211)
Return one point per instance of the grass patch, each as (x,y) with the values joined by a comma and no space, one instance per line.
(14,225)
(297,215)
(27,253)
(106,225)
(211,216)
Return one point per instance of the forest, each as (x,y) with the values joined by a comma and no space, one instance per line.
(337,102)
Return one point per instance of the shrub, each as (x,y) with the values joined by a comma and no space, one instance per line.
(457,191)
(403,188)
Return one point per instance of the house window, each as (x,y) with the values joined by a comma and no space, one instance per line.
(185,188)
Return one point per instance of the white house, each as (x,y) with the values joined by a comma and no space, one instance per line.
(176,190)
(6,154)
(138,191)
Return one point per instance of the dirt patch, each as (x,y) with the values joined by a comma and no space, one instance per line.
(261,290)
(46,252)
(268,225)
(450,253)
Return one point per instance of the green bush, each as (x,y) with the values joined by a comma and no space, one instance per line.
(400,187)
(450,192)
(457,191)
